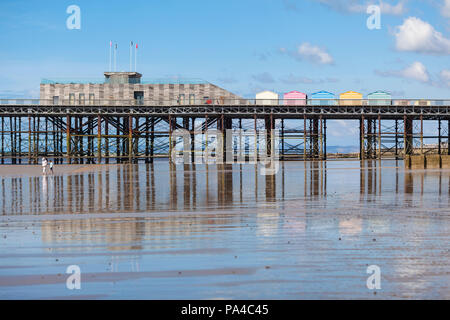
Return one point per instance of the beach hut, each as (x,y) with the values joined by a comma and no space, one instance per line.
(322,98)
(266,98)
(351,98)
(379,98)
(294,98)
(402,102)
(422,103)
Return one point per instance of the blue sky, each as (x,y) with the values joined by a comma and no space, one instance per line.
(243,46)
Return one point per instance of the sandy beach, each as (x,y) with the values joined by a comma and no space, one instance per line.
(218,232)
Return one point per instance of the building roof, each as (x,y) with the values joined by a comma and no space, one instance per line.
(322,94)
(132,74)
(143,81)
(378,93)
(351,94)
(123,77)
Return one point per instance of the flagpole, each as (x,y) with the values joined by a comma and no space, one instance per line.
(135,58)
(131,54)
(115,58)
(110,53)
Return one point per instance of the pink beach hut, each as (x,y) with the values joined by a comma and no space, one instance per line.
(294,98)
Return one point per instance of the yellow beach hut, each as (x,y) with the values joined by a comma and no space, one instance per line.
(350,98)
(422,103)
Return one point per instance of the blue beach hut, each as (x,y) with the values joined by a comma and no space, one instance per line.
(322,98)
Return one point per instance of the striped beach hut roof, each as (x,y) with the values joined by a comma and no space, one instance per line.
(379,95)
(322,95)
(295,95)
(351,95)
(267,95)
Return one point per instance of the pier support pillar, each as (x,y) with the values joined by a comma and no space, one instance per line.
(170,137)
(3,140)
(362,151)
(379,137)
(68,146)
(396,139)
(421,134)
(130,139)
(99,139)
(305,138)
(448,137)
(282,140)
(147,143)
(152,139)
(29,140)
(408,135)
(440,137)
(226,125)
(106,140)
(269,123)
(315,139)
(325,139)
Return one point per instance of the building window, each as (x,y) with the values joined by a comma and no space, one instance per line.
(55,99)
(71,98)
(181,99)
(207,100)
(192,98)
(91,98)
(139,97)
(81,99)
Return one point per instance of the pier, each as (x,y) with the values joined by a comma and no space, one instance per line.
(120,131)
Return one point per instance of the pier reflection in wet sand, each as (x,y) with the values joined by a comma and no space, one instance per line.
(226,231)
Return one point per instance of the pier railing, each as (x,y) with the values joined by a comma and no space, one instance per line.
(228,102)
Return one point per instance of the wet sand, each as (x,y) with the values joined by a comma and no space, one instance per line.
(225,232)
(8,170)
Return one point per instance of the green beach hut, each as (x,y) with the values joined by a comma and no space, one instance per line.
(379,98)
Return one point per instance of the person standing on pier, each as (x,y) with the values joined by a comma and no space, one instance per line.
(51,166)
(44,165)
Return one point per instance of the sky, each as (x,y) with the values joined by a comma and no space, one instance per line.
(244,46)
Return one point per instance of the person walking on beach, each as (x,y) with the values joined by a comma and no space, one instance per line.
(51,167)
(44,165)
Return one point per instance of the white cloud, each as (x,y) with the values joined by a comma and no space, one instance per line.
(445,9)
(357,6)
(313,53)
(291,5)
(347,126)
(293,79)
(445,74)
(419,36)
(396,10)
(416,71)
(227,80)
(445,77)
(264,77)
